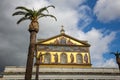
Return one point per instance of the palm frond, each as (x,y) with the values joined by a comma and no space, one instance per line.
(51,6)
(112,52)
(19,13)
(45,9)
(42,9)
(24,8)
(35,13)
(47,15)
(115,53)
(31,14)
(22,19)
(28,15)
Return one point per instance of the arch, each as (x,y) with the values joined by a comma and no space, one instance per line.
(47,58)
(79,59)
(63,58)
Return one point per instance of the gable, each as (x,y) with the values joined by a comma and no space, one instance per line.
(63,40)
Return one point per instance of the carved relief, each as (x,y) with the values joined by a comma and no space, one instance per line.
(79,58)
(47,58)
(63,58)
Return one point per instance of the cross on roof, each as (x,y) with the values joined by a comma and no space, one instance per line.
(62,31)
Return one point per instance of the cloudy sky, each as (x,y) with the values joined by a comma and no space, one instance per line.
(97,21)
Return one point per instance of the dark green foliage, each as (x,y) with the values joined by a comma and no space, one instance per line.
(117,54)
(29,14)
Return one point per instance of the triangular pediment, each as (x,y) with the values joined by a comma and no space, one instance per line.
(63,39)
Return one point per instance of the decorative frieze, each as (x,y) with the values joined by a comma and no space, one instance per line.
(62,48)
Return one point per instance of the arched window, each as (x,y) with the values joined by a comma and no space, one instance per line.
(47,58)
(63,58)
(79,58)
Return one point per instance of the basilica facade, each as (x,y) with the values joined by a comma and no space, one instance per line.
(63,57)
(63,51)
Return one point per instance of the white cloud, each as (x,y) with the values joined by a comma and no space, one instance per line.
(108,63)
(107,10)
(63,4)
(84,18)
(99,42)
(68,14)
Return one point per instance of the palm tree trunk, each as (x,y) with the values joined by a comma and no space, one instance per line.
(118,62)
(31,50)
(37,72)
(119,67)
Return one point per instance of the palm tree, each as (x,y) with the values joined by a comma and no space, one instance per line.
(33,16)
(117,55)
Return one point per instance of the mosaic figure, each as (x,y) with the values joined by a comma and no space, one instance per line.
(56,41)
(63,40)
(72,58)
(56,58)
(86,58)
(69,42)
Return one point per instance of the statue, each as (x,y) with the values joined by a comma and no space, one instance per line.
(56,58)
(86,58)
(72,58)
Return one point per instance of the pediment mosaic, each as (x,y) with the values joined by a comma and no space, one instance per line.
(63,40)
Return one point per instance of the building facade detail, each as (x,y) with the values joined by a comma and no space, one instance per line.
(64,51)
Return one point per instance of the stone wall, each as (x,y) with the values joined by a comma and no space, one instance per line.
(64,73)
